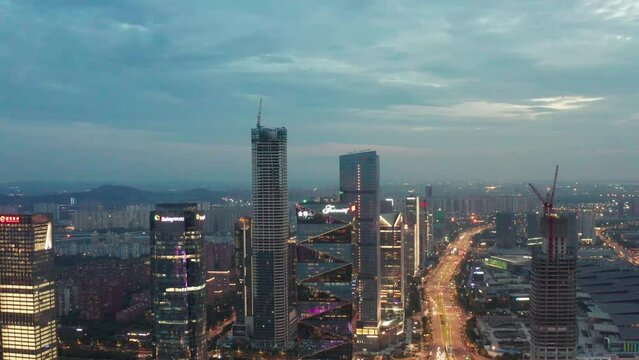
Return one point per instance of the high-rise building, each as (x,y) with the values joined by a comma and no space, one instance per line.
(586,224)
(532,225)
(428,229)
(412,237)
(179,284)
(359,185)
(505,229)
(571,218)
(27,288)
(272,313)
(553,296)
(324,280)
(243,327)
(386,205)
(393,280)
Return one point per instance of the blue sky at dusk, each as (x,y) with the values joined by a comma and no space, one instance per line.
(135,91)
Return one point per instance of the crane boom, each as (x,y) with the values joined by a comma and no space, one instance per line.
(554,186)
(541,198)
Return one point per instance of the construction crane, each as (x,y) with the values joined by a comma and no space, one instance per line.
(549,203)
(259,114)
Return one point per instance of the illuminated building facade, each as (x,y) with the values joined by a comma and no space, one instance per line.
(273,316)
(179,286)
(428,218)
(243,326)
(325,280)
(359,185)
(27,288)
(412,236)
(553,296)
(392,263)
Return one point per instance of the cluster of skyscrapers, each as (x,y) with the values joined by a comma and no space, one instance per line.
(334,289)
(336,286)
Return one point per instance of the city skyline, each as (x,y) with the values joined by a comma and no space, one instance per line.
(131,92)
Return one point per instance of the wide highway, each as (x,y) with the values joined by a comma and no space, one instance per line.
(448,319)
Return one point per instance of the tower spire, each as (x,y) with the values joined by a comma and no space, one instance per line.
(259,115)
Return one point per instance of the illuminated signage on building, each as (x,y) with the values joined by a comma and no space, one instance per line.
(331,209)
(304,214)
(496,263)
(172,219)
(200,217)
(7,219)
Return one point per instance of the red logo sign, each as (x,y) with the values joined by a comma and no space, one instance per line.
(8,219)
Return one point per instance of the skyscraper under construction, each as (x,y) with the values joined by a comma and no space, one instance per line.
(553,302)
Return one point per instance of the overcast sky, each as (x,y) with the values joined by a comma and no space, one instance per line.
(136,91)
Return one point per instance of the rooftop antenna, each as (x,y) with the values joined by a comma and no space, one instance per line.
(259,115)
(549,211)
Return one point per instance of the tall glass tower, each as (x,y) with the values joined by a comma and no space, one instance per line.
(243,326)
(27,289)
(179,293)
(324,278)
(273,329)
(359,185)
(412,236)
(392,263)
(553,297)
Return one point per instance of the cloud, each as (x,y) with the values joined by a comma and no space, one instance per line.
(627,10)
(482,110)
(565,102)
(405,78)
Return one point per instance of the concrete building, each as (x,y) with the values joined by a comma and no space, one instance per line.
(553,300)
(274,317)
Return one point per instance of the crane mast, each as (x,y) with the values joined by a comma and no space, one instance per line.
(549,203)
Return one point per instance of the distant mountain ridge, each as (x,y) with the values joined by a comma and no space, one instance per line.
(113,196)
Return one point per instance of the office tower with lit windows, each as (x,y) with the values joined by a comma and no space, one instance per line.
(178,282)
(324,280)
(359,185)
(243,327)
(27,288)
(427,234)
(505,230)
(272,313)
(553,296)
(392,279)
(412,237)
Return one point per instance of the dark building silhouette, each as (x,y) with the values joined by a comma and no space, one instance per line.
(243,326)
(505,230)
(359,185)
(178,282)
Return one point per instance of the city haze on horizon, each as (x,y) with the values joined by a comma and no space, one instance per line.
(146,92)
